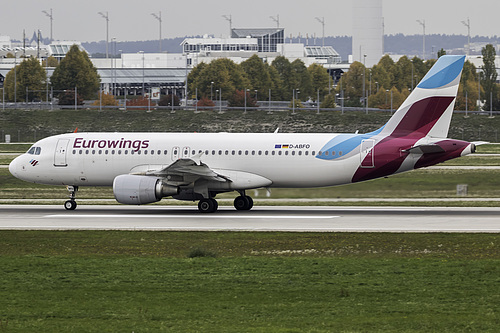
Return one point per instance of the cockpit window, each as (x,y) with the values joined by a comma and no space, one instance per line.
(35,151)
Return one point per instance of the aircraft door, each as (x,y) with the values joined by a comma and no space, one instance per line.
(175,153)
(366,154)
(60,153)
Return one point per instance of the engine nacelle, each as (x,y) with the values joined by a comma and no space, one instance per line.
(139,190)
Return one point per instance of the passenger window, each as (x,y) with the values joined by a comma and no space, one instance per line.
(165,152)
(293,153)
(286,152)
(74,152)
(80,152)
(273,153)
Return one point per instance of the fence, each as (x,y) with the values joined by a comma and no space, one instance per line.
(471,132)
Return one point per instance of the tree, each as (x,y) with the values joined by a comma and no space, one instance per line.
(30,77)
(441,53)
(226,76)
(205,101)
(320,79)
(352,84)
(276,83)
(52,62)
(329,102)
(238,99)
(106,100)
(289,81)
(303,77)
(194,79)
(489,77)
(76,70)
(166,100)
(68,98)
(257,73)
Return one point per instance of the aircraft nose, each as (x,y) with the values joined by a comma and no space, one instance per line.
(13,167)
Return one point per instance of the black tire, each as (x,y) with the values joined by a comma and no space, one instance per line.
(250,202)
(70,205)
(207,205)
(242,203)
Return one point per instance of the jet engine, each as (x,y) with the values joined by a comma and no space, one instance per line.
(139,190)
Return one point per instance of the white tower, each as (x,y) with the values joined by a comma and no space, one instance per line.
(367,32)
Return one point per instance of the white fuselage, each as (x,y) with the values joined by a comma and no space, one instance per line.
(95,159)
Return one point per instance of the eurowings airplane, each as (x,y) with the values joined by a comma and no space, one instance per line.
(145,167)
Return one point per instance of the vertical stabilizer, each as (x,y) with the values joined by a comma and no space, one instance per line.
(427,110)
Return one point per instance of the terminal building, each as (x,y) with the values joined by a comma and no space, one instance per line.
(136,73)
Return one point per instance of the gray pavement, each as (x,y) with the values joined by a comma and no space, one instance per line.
(269,218)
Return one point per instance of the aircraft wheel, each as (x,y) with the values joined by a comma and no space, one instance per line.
(70,205)
(250,202)
(243,203)
(207,205)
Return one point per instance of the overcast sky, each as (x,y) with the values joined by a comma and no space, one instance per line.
(132,20)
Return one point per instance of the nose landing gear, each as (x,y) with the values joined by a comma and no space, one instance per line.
(71,203)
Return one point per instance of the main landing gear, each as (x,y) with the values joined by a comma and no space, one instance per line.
(242,202)
(71,203)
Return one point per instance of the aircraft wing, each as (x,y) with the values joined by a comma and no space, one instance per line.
(187,170)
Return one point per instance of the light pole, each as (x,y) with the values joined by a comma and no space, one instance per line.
(106,17)
(229,18)
(276,19)
(113,65)
(158,17)
(211,91)
(422,23)
(15,78)
(467,24)
(142,52)
(51,19)
(322,21)
(364,73)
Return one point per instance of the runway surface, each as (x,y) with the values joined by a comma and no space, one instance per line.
(275,218)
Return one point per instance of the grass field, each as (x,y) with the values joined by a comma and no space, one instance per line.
(28,126)
(248,282)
